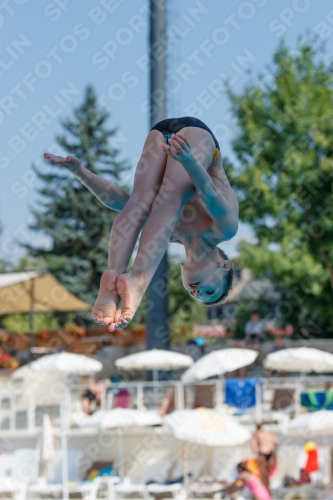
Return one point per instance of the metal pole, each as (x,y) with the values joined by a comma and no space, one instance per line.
(31,411)
(140,401)
(121,453)
(186,471)
(158,333)
(180,403)
(64,451)
(258,409)
(219,392)
(32,314)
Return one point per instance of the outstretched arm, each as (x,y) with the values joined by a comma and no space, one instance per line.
(224,219)
(108,193)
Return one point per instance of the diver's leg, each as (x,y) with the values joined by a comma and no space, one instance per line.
(177,188)
(128,224)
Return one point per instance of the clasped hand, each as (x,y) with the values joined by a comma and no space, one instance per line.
(178,148)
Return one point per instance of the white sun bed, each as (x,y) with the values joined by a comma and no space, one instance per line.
(154,471)
(17,471)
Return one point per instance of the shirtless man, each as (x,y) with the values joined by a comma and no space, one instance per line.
(181,194)
(264,444)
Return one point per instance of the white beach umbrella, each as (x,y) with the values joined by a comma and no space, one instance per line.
(121,417)
(47,446)
(63,362)
(154,359)
(300,359)
(319,423)
(218,363)
(206,427)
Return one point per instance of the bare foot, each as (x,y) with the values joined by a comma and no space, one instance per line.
(107,301)
(131,291)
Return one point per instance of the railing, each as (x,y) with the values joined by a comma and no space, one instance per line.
(22,410)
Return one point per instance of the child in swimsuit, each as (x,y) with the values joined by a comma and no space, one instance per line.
(180,194)
(250,481)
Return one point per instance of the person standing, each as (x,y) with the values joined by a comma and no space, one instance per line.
(264,444)
(255,330)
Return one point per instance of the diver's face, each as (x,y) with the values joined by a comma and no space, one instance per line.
(206,281)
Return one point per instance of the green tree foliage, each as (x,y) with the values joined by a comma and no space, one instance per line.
(283,179)
(20,322)
(77,224)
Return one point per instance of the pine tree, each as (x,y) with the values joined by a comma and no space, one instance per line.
(75,221)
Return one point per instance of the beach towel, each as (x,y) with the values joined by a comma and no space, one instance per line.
(241,393)
(317,400)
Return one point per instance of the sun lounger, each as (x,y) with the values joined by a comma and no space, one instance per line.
(128,489)
(6,462)
(206,490)
(283,398)
(159,486)
(302,492)
(20,470)
(194,469)
(281,408)
(204,396)
(7,483)
(42,486)
(154,472)
(176,489)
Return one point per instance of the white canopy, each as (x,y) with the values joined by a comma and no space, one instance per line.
(40,291)
(206,427)
(300,359)
(319,423)
(64,362)
(154,359)
(121,417)
(217,363)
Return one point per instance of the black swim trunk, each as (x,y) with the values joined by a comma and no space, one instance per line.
(268,456)
(173,125)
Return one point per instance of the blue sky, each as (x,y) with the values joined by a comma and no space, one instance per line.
(51,50)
